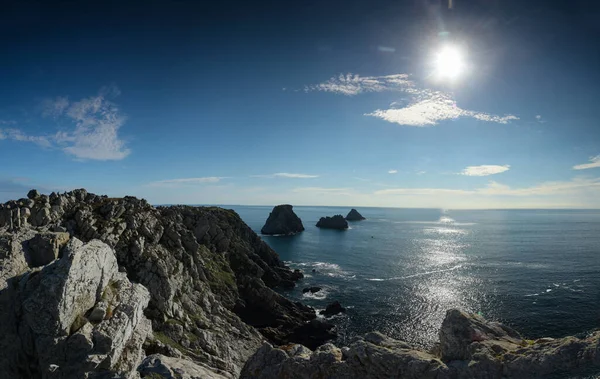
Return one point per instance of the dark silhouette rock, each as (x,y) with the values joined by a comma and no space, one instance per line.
(335,222)
(282,220)
(313,289)
(353,215)
(333,309)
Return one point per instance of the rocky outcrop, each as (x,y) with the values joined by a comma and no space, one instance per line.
(335,222)
(313,289)
(353,215)
(282,220)
(208,276)
(470,347)
(45,328)
(333,309)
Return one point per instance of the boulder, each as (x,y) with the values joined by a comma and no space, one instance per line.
(335,222)
(353,215)
(33,194)
(282,220)
(160,366)
(333,309)
(313,289)
(57,338)
(44,248)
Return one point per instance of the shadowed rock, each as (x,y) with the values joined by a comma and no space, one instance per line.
(353,215)
(282,220)
(333,309)
(335,222)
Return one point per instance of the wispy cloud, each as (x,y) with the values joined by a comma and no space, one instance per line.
(285,175)
(97,122)
(94,133)
(18,135)
(352,84)
(361,179)
(426,108)
(494,188)
(393,172)
(594,163)
(484,170)
(54,107)
(186,181)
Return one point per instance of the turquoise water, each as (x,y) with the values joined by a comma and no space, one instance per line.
(401,269)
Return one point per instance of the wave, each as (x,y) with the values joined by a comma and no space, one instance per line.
(330,269)
(416,275)
(320,295)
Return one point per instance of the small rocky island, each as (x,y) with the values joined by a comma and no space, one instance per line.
(353,215)
(335,222)
(282,220)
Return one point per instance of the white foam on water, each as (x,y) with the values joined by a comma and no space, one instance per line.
(549,290)
(319,295)
(533,294)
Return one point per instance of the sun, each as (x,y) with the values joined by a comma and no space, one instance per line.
(449,63)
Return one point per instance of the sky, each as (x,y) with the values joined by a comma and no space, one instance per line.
(351,103)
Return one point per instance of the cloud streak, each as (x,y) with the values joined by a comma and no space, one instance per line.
(353,84)
(285,175)
(20,136)
(594,163)
(484,170)
(393,172)
(493,188)
(427,107)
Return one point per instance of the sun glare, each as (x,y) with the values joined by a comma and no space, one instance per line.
(449,63)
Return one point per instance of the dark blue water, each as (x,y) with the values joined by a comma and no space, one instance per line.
(401,269)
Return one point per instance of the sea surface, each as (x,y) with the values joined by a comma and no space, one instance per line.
(401,269)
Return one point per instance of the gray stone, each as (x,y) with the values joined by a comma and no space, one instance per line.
(33,194)
(160,366)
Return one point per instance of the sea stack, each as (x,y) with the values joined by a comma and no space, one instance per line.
(335,222)
(282,220)
(353,215)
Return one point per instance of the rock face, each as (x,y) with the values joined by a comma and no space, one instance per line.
(49,334)
(68,264)
(313,289)
(353,215)
(335,222)
(282,220)
(470,347)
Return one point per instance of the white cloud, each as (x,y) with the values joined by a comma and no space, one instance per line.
(484,170)
(18,135)
(352,84)
(430,111)
(285,175)
(97,122)
(427,108)
(421,172)
(186,181)
(393,172)
(594,163)
(94,134)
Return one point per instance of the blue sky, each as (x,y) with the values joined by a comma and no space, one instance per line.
(311,103)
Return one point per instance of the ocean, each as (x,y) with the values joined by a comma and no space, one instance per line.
(401,269)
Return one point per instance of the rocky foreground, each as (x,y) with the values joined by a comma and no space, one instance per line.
(469,347)
(98,287)
(91,284)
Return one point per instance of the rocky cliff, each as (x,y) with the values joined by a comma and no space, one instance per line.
(470,347)
(77,271)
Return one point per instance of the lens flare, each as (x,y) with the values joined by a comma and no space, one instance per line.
(449,63)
